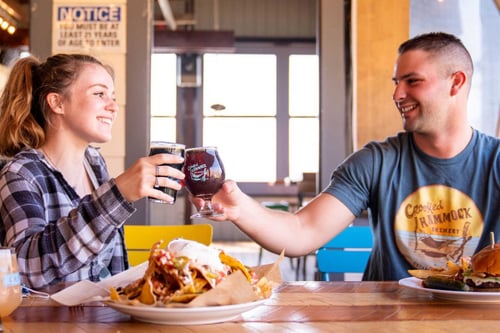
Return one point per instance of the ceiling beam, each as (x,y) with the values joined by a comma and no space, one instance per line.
(194,41)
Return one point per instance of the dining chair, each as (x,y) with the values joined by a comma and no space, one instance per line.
(348,252)
(140,238)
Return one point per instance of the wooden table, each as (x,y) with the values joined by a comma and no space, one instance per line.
(307,306)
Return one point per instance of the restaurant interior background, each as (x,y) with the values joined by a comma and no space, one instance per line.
(303,82)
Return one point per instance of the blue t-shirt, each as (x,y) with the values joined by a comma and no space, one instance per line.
(423,210)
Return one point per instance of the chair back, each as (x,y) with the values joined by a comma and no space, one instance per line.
(348,252)
(139,239)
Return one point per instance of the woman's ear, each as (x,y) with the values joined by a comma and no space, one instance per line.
(54,101)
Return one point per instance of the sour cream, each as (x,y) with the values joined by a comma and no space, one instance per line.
(202,254)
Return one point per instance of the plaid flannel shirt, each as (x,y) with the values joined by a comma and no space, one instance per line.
(58,235)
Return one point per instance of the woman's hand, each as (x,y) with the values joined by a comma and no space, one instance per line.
(139,180)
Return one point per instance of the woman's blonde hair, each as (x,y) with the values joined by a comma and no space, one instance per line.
(23,104)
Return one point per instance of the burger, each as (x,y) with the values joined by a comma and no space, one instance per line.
(484,272)
(480,272)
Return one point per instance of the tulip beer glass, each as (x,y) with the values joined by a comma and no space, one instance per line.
(10,282)
(204,176)
(162,147)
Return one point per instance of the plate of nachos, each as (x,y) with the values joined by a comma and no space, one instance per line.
(190,283)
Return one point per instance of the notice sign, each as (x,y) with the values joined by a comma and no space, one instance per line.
(89,27)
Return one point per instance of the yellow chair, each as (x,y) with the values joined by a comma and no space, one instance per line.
(140,238)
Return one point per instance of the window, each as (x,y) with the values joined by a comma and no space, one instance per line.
(268,129)
(163,97)
(304,111)
(245,131)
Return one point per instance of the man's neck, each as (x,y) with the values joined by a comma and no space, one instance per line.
(444,145)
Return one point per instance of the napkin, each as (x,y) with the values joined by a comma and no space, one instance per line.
(86,291)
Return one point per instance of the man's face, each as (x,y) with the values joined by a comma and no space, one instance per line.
(422,92)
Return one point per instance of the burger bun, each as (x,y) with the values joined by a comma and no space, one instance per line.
(487,260)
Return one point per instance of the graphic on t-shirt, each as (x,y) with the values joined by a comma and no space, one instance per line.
(435,224)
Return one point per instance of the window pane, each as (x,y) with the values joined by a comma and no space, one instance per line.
(163,129)
(247,146)
(304,85)
(163,84)
(304,149)
(244,83)
(163,96)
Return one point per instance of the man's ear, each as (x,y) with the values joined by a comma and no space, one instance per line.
(459,78)
(55,102)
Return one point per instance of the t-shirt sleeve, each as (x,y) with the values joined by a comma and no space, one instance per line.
(352,180)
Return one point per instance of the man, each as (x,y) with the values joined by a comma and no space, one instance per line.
(432,192)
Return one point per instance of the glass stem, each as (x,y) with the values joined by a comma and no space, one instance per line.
(207,208)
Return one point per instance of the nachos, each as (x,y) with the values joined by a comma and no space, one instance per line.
(183,271)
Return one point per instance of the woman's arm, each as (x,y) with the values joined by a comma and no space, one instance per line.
(53,237)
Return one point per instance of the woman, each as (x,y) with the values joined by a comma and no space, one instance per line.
(58,206)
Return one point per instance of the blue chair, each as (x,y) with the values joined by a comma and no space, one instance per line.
(348,252)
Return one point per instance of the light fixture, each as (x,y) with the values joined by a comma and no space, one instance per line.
(218,107)
(9,18)
(7,26)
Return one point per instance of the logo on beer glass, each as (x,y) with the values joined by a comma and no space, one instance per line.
(198,172)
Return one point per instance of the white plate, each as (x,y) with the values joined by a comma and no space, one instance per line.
(185,316)
(459,296)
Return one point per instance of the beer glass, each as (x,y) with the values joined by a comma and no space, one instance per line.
(162,147)
(10,282)
(204,176)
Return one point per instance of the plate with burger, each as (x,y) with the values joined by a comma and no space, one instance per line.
(475,279)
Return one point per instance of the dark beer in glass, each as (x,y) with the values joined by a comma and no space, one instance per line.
(204,176)
(162,147)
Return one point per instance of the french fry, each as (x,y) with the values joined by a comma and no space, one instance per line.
(425,273)
(453,267)
(465,263)
(451,270)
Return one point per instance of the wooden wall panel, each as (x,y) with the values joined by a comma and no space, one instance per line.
(381,26)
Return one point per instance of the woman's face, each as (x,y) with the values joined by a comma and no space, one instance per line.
(89,110)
